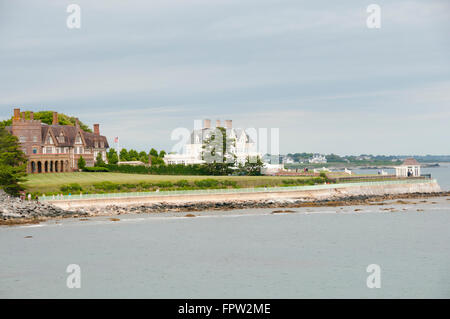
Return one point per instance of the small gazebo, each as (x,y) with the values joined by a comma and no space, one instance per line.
(409,168)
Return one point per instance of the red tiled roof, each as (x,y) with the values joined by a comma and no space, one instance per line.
(410,161)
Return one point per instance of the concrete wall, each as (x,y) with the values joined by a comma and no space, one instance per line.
(318,194)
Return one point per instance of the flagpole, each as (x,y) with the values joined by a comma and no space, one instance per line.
(118,149)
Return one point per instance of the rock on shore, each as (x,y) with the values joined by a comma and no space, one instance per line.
(14,208)
(246,204)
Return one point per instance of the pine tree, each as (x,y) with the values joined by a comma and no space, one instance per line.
(81,163)
(12,163)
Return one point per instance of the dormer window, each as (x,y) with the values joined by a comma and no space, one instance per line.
(78,140)
(49,140)
(61,138)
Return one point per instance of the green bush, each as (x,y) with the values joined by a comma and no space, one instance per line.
(207,183)
(74,187)
(107,186)
(164,184)
(182,183)
(95,169)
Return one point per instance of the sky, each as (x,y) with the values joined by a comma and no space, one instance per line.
(312,69)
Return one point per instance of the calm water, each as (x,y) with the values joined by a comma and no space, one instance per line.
(316,252)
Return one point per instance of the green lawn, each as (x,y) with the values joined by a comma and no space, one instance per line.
(51,182)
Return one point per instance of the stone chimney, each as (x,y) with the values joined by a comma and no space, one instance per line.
(206,123)
(17,114)
(31,115)
(23,115)
(228,124)
(77,122)
(55,118)
(97,129)
(217,123)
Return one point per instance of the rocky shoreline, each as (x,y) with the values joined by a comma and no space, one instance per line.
(15,211)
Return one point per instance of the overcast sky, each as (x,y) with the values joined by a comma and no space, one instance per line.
(310,68)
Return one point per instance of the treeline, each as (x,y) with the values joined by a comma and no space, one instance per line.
(158,166)
(125,155)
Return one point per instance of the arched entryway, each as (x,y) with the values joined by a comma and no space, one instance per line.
(39,167)
(33,167)
(56,166)
(61,167)
(46,167)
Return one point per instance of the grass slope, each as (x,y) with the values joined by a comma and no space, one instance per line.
(52,182)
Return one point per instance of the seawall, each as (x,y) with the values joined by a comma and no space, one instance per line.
(307,193)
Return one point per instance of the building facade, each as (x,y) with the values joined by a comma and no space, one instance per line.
(241,148)
(56,148)
(409,168)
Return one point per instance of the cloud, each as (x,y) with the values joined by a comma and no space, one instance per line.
(313,69)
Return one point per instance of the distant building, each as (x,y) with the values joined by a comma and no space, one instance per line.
(56,148)
(271,169)
(288,160)
(317,159)
(409,168)
(132,163)
(192,153)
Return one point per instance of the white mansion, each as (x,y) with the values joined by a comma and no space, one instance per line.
(242,146)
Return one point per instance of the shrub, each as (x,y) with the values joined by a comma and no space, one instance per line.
(74,187)
(207,183)
(107,186)
(95,169)
(182,183)
(81,163)
(164,184)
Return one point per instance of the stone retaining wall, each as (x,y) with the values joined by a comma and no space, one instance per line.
(318,194)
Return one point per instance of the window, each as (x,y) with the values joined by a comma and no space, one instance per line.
(34,150)
(61,139)
(78,140)
(102,144)
(22,139)
(49,150)
(34,138)
(49,140)
(96,144)
(24,150)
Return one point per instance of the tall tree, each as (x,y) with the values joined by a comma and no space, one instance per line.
(154,152)
(99,160)
(111,156)
(12,163)
(124,155)
(81,163)
(217,152)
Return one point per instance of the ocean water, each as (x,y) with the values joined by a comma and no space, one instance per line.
(312,253)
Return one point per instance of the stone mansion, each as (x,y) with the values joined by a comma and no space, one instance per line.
(56,148)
